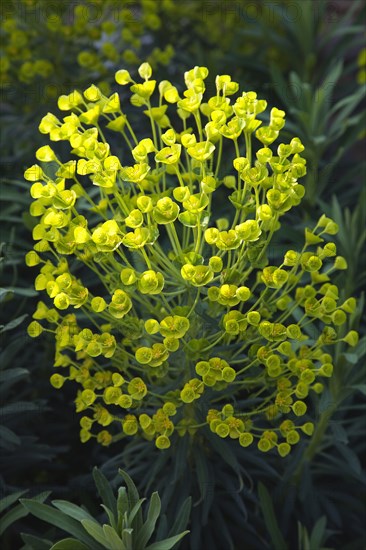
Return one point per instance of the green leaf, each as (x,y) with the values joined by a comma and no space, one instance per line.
(181,449)
(36,543)
(8,439)
(15,197)
(105,491)
(345,107)
(326,402)
(202,472)
(122,505)
(9,353)
(339,433)
(331,80)
(18,511)
(182,517)
(277,539)
(133,498)
(303,537)
(350,458)
(317,537)
(28,292)
(72,510)
(351,358)
(20,407)
(69,544)
(156,469)
(14,323)
(114,541)
(96,531)
(145,533)
(9,500)
(134,510)
(360,387)
(111,517)
(225,452)
(127,536)
(11,517)
(60,520)
(166,544)
(10,374)
(3,293)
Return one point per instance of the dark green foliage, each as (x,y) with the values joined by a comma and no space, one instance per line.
(128,528)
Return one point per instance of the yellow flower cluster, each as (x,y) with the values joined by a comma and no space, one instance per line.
(153,250)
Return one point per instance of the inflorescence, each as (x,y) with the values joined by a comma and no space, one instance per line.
(167,313)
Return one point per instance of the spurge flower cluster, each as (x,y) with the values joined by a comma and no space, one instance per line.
(153,248)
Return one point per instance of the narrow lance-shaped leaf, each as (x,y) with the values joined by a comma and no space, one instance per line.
(182,517)
(105,491)
(95,531)
(277,539)
(133,498)
(114,541)
(60,520)
(69,544)
(35,543)
(147,530)
(72,510)
(166,544)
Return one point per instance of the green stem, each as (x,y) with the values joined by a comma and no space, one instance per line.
(199,236)
(146,258)
(194,303)
(181,182)
(153,129)
(215,342)
(199,125)
(172,232)
(218,162)
(131,131)
(248,147)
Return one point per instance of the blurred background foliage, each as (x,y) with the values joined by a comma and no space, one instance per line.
(304,56)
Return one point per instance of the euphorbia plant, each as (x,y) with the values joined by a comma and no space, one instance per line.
(167,312)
